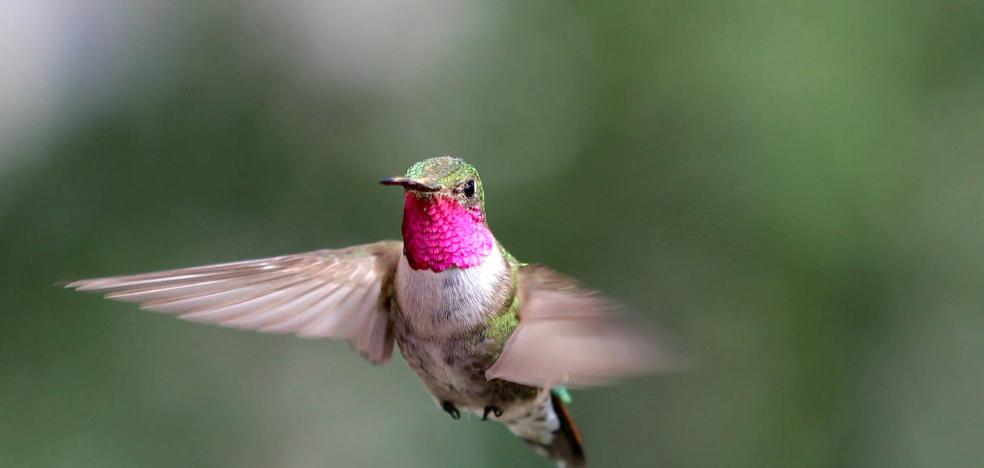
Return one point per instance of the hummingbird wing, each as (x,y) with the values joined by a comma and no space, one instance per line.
(571,336)
(326,293)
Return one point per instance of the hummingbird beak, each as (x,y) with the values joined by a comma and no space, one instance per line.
(418,185)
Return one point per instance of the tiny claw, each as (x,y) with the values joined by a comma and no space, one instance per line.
(449,408)
(491,409)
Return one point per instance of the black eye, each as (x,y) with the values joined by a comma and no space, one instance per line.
(469,188)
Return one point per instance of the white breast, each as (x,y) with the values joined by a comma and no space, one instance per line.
(451,300)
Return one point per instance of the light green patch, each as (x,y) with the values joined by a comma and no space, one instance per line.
(563,394)
(500,327)
(447,171)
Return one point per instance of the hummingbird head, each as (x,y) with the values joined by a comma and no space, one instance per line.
(443,215)
(443,176)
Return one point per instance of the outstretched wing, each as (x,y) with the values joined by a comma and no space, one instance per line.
(325,293)
(575,337)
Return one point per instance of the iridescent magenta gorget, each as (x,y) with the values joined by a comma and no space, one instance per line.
(440,233)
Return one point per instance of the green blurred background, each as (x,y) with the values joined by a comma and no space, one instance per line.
(793,189)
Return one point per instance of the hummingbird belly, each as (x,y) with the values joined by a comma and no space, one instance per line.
(440,320)
(453,370)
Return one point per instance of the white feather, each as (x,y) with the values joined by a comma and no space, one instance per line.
(463,297)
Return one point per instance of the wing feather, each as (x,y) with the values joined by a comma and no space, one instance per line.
(327,324)
(575,337)
(362,327)
(259,319)
(301,317)
(325,293)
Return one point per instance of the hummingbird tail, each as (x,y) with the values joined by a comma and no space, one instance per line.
(566,447)
(549,429)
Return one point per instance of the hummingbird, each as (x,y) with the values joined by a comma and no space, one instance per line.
(485,333)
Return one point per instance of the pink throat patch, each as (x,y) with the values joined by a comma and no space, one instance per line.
(439,233)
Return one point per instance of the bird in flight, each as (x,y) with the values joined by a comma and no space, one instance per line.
(484,332)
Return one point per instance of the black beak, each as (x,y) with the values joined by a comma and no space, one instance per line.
(411,184)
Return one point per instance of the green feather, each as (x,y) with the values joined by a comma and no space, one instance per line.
(500,327)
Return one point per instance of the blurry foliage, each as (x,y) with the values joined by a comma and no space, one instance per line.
(793,189)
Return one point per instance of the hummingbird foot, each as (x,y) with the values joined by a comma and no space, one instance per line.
(449,408)
(495,410)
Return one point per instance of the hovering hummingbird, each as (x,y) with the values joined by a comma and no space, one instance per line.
(484,332)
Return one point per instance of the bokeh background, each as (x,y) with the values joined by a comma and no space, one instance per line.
(793,189)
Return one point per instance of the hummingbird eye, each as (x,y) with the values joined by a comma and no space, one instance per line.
(469,188)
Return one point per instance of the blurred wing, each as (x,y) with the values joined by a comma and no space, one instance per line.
(325,293)
(574,337)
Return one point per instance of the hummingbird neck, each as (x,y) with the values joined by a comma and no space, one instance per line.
(439,233)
